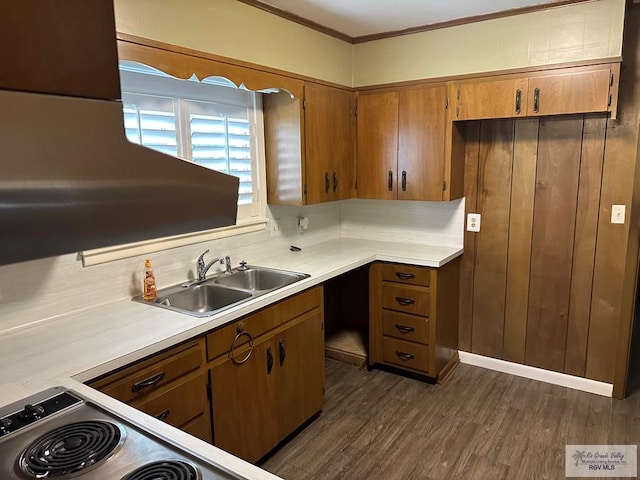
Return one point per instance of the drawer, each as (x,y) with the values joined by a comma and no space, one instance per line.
(199,427)
(406,274)
(135,382)
(179,404)
(219,342)
(406,327)
(405,354)
(406,298)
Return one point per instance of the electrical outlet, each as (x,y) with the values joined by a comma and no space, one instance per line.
(274,227)
(617,213)
(473,222)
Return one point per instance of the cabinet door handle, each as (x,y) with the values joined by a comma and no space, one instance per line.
(518,100)
(405,356)
(390,181)
(326,182)
(269,361)
(404,181)
(404,328)
(147,382)
(405,301)
(281,352)
(163,415)
(405,276)
(335,182)
(536,100)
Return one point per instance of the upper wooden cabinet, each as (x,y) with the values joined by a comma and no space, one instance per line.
(562,91)
(309,146)
(400,143)
(328,143)
(490,98)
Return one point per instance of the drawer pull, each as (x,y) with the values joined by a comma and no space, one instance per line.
(405,276)
(148,382)
(405,301)
(404,328)
(239,335)
(405,356)
(163,415)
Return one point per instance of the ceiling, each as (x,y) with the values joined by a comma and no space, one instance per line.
(358,18)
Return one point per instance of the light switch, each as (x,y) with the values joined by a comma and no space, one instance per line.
(473,222)
(617,213)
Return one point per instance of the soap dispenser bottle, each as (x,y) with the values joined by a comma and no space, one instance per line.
(149,291)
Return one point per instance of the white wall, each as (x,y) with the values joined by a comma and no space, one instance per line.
(571,33)
(234,29)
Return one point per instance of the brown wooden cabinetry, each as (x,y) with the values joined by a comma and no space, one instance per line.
(400,143)
(413,321)
(170,386)
(309,146)
(586,89)
(266,387)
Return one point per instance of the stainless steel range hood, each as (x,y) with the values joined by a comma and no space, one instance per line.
(69,179)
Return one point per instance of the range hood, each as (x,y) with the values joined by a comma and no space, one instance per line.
(69,178)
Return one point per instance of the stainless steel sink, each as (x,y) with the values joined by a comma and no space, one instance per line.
(201,299)
(257,279)
(222,291)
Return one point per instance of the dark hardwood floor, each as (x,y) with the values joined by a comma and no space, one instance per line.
(479,425)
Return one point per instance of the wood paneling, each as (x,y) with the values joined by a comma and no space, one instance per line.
(525,153)
(552,242)
(593,139)
(494,192)
(467,263)
(421,131)
(377,145)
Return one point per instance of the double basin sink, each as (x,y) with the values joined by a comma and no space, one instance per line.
(223,290)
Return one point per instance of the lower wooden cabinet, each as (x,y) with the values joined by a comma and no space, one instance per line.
(171,386)
(413,317)
(263,389)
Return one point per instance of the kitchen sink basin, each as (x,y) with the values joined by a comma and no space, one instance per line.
(259,279)
(201,299)
(222,291)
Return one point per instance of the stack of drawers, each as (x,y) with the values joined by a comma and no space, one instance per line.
(171,386)
(406,323)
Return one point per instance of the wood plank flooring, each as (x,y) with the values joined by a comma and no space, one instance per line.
(479,425)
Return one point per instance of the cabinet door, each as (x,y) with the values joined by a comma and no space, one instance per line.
(377,144)
(581,91)
(478,99)
(300,376)
(421,126)
(243,403)
(328,143)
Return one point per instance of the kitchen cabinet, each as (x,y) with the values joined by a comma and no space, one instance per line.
(400,143)
(270,378)
(309,146)
(587,89)
(171,386)
(413,322)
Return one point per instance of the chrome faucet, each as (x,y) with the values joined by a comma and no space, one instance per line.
(227,264)
(204,268)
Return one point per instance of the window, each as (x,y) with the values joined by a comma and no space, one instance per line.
(211,123)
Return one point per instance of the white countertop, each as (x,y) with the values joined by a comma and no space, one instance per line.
(80,346)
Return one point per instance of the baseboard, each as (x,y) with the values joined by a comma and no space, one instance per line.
(555,378)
